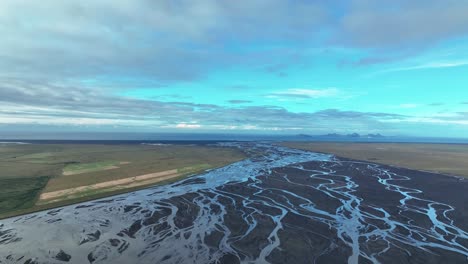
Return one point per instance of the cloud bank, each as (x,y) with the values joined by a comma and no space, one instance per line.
(65,63)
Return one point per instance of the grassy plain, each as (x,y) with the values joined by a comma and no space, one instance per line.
(20,193)
(78,168)
(441,158)
(28,171)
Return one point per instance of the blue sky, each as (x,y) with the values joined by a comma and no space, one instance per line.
(257,66)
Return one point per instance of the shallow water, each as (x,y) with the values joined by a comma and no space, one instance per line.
(279,206)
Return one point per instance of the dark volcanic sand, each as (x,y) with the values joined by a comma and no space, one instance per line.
(284,206)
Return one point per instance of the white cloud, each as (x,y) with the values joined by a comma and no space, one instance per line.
(306,93)
(428,120)
(430,65)
(189,126)
(62,121)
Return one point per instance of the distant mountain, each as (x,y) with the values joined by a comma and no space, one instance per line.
(375,135)
(304,135)
(336,135)
(332,135)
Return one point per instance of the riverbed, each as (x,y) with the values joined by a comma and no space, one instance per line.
(281,205)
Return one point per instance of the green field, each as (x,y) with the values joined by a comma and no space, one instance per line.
(26,171)
(90,166)
(78,168)
(20,193)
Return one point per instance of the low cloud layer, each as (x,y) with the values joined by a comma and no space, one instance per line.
(52,105)
(55,106)
(306,93)
(239,101)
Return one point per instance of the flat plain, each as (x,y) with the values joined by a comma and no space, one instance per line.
(40,176)
(285,206)
(449,159)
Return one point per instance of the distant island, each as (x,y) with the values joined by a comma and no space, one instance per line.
(336,135)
